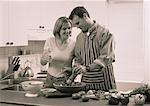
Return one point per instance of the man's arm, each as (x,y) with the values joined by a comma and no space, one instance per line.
(107,52)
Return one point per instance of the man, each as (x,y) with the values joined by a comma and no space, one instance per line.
(94,52)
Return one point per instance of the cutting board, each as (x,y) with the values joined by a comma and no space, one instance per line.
(55,94)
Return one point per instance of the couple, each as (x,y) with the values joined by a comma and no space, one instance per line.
(93,52)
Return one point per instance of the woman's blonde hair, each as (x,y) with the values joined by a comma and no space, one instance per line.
(58,24)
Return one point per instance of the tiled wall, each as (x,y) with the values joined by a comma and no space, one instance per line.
(35,47)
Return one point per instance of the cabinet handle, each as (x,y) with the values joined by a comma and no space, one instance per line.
(7,43)
(41,27)
(11,43)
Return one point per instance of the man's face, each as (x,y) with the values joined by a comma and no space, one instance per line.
(80,23)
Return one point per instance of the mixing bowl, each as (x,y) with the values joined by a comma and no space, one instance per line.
(64,88)
(32,88)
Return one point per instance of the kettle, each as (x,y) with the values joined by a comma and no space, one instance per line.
(27,71)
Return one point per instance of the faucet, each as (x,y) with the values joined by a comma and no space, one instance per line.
(6,76)
(10,81)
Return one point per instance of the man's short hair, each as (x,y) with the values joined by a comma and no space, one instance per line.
(79,11)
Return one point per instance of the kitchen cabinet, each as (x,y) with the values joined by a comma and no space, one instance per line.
(37,21)
(3,22)
(17,33)
(39,18)
(12,31)
(42,15)
(34,20)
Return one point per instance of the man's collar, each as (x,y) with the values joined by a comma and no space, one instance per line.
(92,31)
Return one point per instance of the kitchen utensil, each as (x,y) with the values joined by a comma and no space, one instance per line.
(27,71)
(53,93)
(32,87)
(75,87)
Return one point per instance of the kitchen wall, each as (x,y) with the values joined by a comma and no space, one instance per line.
(35,47)
(126,23)
(147,40)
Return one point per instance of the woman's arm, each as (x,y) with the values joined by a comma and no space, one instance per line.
(46,56)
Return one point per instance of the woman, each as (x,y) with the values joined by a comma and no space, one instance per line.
(58,51)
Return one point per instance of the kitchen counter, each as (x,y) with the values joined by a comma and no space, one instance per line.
(18,98)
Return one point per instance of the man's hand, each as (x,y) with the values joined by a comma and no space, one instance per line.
(79,69)
(75,71)
(67,72)
(94,66)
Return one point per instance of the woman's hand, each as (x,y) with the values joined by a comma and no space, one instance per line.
(46,57)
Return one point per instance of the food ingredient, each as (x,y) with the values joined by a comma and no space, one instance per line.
(124,100)
(144,90)
(76,96)
(139,99)
(85,98)
(113,101)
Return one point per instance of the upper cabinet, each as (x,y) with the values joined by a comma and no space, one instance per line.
(3,22)
(35,20)
(12,31)
(38,24)
(17,15)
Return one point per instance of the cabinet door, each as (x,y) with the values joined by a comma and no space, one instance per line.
(38,23)
(3,23)
(44,14)
(17,15)
(38,17)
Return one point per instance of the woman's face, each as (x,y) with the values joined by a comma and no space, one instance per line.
(65,31)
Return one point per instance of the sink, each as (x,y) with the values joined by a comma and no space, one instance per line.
(14,84)
(16,87)
(13,81)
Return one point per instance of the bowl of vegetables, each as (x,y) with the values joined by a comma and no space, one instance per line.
(73,88)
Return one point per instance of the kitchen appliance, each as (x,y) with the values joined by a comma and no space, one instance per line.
(27,71)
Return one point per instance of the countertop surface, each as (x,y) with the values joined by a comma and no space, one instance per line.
(13,98)
(19,98)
